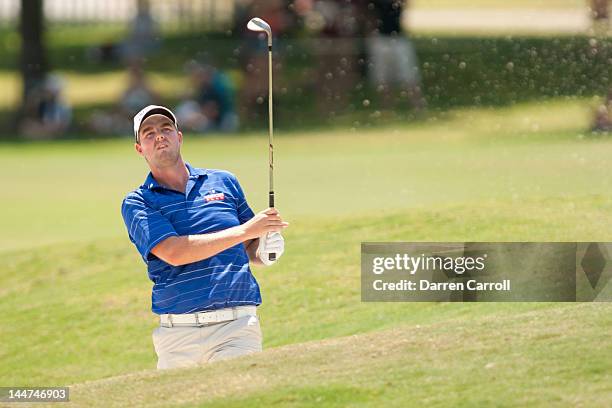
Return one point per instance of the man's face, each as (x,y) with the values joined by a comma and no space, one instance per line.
(160,141)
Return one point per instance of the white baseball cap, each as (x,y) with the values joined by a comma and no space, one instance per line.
(150,111)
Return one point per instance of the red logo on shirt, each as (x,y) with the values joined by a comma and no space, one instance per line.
(214,197)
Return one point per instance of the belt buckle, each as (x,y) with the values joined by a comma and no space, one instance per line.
(205,314)
(201,318)
(218,316)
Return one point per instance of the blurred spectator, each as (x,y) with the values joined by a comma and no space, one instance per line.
(392,59)
(142,40)
(255,57)
(143,37)
(603,115)
(600,13)
(47,115)
(337,51)
(211,108)
(137,95)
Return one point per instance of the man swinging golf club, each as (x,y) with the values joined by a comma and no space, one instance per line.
(196,233)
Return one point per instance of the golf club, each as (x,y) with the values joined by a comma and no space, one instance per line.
(258,25)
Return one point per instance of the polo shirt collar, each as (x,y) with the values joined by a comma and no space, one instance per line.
(194,173)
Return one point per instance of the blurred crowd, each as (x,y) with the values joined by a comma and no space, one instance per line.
(355,39)
(351,40)
(356,43)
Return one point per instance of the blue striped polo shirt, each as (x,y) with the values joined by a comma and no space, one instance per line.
(213,201)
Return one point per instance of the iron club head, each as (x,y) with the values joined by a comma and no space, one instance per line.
(258,25)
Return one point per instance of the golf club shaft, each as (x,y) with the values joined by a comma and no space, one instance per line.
(272,256)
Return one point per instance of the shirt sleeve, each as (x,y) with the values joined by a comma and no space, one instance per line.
(146,226)
(244,211)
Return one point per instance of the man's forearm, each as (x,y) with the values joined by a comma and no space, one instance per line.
(192,248)
(251,248)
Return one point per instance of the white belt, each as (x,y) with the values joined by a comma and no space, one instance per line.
(205,318)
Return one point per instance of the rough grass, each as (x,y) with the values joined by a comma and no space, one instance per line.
(98,296)
(552,356)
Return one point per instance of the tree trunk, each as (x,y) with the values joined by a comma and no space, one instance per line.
(33,63)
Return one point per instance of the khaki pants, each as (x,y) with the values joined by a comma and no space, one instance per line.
(190,346)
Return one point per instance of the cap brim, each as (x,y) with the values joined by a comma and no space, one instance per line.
(159,111)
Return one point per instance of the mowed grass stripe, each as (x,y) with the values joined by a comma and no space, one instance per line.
(72,191)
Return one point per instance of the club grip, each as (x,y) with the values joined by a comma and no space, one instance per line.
(271,199)
(271,256)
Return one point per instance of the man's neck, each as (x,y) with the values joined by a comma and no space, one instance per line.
(173,177)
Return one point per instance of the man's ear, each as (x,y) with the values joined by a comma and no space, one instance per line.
(180,137)
(138,148)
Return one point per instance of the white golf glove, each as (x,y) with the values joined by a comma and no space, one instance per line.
(272,243)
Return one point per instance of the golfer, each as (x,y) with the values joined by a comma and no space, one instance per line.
(196,234)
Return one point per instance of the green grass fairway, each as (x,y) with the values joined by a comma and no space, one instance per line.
(75,299)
